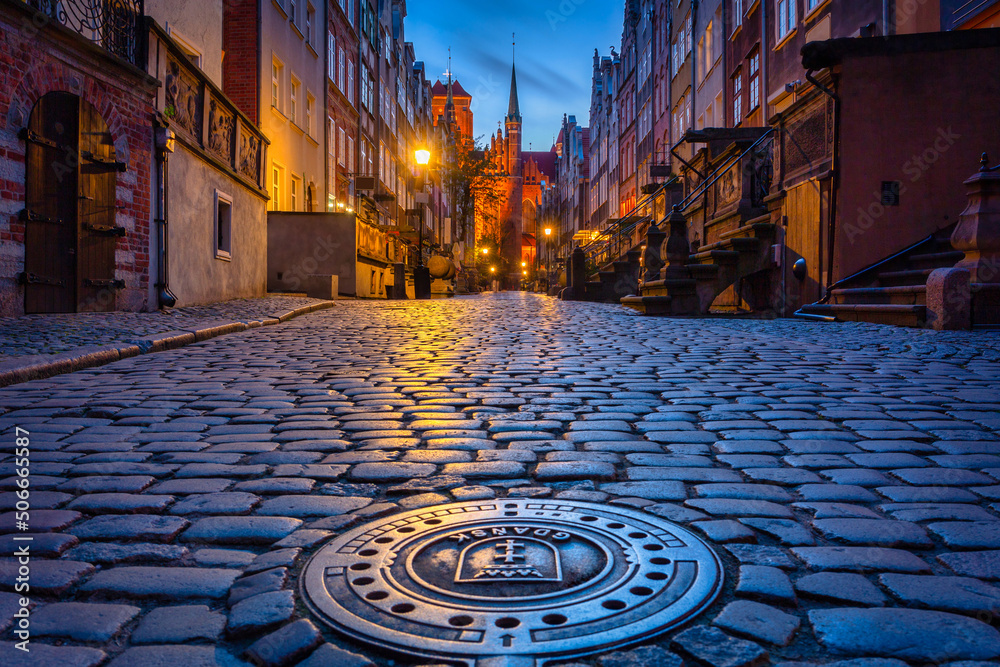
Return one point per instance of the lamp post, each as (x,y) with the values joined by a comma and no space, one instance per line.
(548,263)
(421,275)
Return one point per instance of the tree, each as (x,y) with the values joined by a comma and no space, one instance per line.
(474,184)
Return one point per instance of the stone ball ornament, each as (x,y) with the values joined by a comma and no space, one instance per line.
(441,267)
(517,581)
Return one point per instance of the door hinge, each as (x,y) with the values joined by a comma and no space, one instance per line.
(30,135)
(110,162)
(104,282)
(30,216)
(26,278)
(105,230)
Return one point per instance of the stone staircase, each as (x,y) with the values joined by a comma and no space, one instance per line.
(893,291)
(692,282)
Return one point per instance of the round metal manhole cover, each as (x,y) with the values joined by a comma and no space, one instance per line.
(545,579)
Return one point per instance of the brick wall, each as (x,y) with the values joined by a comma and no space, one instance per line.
(35,60)
(241,66)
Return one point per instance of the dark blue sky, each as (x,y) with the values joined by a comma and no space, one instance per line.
(555,50)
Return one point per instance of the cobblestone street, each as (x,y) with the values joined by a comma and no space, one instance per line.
(847,475)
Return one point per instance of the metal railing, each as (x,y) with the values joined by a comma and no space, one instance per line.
(762,181)
(616,239)
(114,25)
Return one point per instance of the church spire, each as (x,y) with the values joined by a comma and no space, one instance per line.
(449,105)
(513,109)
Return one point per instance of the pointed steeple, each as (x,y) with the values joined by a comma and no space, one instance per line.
(513,109)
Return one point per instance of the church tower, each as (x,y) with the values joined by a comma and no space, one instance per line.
(515,182)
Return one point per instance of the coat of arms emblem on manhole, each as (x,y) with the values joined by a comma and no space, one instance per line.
(537,580)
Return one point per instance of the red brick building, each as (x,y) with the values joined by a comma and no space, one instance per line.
(75,163)
(462,103)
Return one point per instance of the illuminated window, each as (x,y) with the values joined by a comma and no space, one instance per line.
(293,100)
(310,112)
(295,192)
(276,71)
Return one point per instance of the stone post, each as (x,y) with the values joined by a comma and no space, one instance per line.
(578,271)
(678,248)
(978,230)
(949,300)
(399,280)
(652,256)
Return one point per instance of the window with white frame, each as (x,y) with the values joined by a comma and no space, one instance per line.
(331,56)
(331,174)
(754,81)
(293,100)
(295,193)
(342,70)
(350,12)
(786,17)
(341,147)
(350,81)
(689,33)
(738,97)
(277,184)
(223,226)
(292,4)
(737,13)
(812,4)
(310,22)
(277,69)
(310,112)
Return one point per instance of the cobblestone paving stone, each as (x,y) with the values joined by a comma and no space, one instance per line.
(848,475)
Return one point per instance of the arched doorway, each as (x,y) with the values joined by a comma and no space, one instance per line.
(69,213)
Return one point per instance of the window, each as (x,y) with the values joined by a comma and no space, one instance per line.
(363,163)
(350,153)
(277,183)
(331,134)
(709,57)
(350,12)
(786,17)
(331,55)
(291,11)
(341,147)
(812,4)
(738,97)
(341,78)
(350,81)
(295,192)
(754,81)
(310,111)
(310,20)
(223,226)
(276,72)
(293,101)
(367,87)
(737,13)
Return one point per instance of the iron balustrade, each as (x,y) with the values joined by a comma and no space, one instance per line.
(610,243)
(115,25)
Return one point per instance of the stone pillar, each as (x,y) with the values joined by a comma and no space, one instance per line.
(399,281)
(978,230)
(949,300)
(678,248)
(578,271)
(652,256)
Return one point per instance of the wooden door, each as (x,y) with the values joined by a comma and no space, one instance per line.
(50,213)
(97,231)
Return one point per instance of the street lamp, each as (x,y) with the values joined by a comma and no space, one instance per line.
(548,259)
(421,276)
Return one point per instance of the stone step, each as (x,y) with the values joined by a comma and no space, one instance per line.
(737,243)
(905,295)
(716,257)
(754,229)
(903,278)
(895,314)
(703,272)
(669,286)
(936,260)
(649,305)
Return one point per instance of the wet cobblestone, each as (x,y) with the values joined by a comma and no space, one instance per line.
(847,474)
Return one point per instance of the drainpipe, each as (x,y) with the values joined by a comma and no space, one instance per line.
(164,146)
(835,169)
